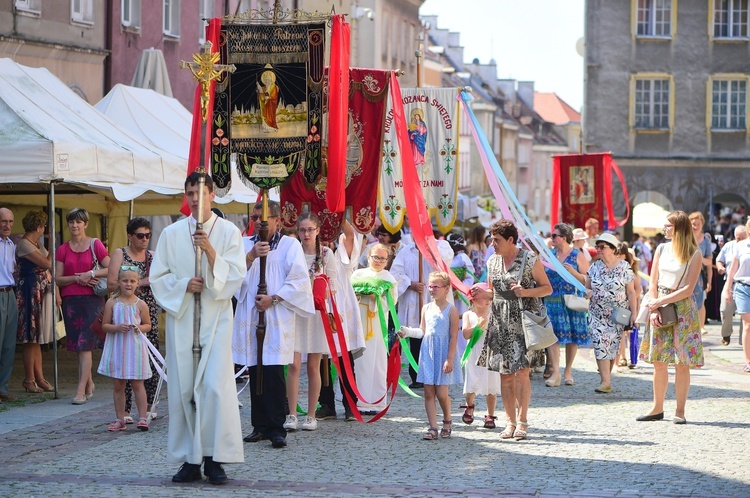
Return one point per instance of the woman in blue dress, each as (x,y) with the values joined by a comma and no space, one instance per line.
(571,327)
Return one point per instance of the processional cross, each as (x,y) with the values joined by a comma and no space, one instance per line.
(205,70)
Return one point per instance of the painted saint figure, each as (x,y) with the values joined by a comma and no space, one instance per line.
(418,136)
(268,100)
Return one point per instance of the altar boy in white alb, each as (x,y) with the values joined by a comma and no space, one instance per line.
(289,294)
(204,418)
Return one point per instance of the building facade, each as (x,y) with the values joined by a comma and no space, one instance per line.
(666,92)
(68,38)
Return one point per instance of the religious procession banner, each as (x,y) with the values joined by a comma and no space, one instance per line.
(582,187)
(368,91)
(432,115)
(268,113)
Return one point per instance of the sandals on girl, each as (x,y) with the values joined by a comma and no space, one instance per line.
(142,424)
(117,425)
(521,431)
(446,431)
(467,418)
(489,421)
(431,434)
(510,429)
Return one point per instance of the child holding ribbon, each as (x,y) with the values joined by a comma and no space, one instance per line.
(125,355)
(439,366)
(478,380)
(374,287)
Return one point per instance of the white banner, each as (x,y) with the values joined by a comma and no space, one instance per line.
(432,115)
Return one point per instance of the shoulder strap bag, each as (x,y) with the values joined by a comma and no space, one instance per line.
(537,329)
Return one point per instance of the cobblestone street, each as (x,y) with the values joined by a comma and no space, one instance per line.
(580,443)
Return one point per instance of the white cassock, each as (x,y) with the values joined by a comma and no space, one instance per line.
(405,270)
(286,277)
(346,299)
(371,368)
(213,427)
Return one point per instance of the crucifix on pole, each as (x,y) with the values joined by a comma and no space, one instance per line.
(205,70)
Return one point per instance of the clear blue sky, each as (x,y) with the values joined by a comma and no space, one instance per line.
(531,40)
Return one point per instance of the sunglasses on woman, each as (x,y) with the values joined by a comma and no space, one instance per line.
(142,236)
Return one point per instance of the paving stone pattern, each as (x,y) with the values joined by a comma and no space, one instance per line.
(580,444)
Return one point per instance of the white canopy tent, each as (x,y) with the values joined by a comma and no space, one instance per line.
(48,134)
(51,139)
(164,124)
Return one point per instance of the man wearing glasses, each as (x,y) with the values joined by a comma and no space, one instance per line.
(204,417)
(289,293)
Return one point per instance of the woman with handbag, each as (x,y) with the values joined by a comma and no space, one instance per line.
(613,305)
(136,254)
(674,340)
(76,277)
(570,325)
(36,309)
(516,281)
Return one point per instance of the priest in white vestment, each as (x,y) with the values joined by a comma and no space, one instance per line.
(204,418)
(289,294)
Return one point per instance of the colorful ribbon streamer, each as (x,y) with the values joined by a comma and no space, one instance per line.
(502,190)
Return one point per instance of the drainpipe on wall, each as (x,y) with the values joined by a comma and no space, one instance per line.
(109,19)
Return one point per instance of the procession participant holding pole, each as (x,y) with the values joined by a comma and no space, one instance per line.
(288,294)
(204,420)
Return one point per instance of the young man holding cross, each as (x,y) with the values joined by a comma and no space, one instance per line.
(204,417)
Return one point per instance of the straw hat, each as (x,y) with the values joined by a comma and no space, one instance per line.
(609,239)
(579,234)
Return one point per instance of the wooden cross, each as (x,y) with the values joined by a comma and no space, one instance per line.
(205,70)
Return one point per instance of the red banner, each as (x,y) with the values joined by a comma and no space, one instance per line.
(338,97)
(368,89)
(582,187)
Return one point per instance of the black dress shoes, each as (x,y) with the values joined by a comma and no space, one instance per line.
(254,437)
(650,418)
(189,472)
(214,471)
(416,385)
(278,441)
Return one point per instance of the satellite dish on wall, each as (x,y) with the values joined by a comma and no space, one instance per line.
(580,46)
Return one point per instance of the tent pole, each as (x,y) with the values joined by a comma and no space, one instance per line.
(131,209)
(52,245)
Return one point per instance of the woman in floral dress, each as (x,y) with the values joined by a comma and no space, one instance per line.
(504,347)
(571,327)
(612,285)
(675,270)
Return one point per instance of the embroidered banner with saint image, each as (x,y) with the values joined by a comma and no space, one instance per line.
(432,115)
(269,111)
(368,89)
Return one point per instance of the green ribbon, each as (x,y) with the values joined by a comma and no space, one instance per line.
(378,287)
(462,271)
(475,335)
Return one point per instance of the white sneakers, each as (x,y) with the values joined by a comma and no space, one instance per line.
(291,423)
(309,424)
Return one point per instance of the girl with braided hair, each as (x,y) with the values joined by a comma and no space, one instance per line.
(310,339)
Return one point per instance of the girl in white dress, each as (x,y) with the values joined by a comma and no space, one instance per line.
(310,339)
(125,356)
(479,380)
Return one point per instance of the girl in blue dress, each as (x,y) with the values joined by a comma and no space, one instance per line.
(439,366)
